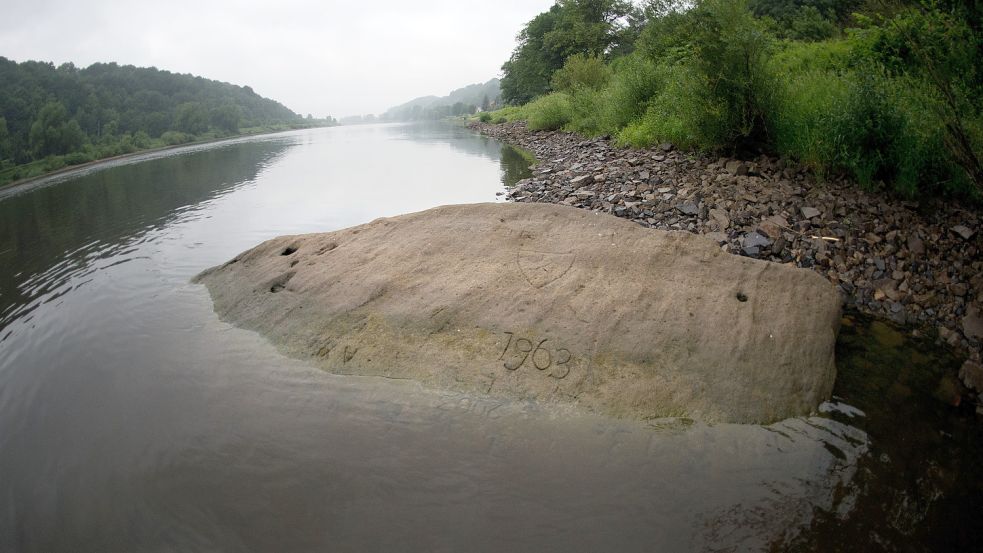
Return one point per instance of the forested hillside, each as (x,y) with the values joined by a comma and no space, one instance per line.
(887,92)
(55,116)
(463,101)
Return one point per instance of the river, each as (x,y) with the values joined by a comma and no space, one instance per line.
(132,419)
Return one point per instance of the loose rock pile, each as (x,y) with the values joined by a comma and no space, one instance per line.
(916,265)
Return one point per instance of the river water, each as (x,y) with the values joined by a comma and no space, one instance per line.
(132,419)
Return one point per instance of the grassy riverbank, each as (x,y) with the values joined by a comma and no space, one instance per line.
(52,165)
(887,94)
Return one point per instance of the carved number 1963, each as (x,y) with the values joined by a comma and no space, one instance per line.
(540,357)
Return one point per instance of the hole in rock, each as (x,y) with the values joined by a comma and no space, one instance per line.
(280,282)
(741,297)
(290,250)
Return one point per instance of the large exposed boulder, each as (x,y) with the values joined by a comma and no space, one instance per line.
(545,302)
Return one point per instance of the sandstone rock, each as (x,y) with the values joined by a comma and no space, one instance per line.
(735,167)
(964,232)
(973,324)
(581,180)
(720,217)
(688,208)
(773,226)
(971,373)
(544,302)
(809,212)
(755,240)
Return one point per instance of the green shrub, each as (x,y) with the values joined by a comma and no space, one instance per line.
(730,49)
(76,158)
(801,116)
(635,81)
(810,24)
(586,105)
(173,138)
(550,112)
(508,114)
(872,126)
(485,117)
(581,72)
(682,113)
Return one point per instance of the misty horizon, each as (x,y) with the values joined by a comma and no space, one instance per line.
(314,59)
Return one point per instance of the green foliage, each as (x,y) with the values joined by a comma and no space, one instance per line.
(896,99)
(71,115)
(53,133)
(6,148)
(586,106)
(587,27)
(730,48)
(191,118)
(637,79)
(549,112)
(681,113)
(485,117)
(509,114)
(581,71)
(809,24)
(786,11)
(173,138)
(226,118)
(527,72)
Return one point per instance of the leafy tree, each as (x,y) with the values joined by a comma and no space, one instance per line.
(53,133)
(5,144)
(191,117)
(527,72)
(581,71)
(60,110)
(785,11)
(226,118)
(586,27)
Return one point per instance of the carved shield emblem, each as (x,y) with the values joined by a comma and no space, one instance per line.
(542,268)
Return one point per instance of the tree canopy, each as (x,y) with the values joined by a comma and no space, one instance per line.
(586,27)
(108,108)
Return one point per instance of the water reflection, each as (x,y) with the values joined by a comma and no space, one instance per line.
(920,487)
(515,165)
(52,232)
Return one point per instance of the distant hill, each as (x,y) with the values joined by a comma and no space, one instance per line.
(65,115)
(471,98)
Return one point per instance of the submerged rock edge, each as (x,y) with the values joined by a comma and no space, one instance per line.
(544,302)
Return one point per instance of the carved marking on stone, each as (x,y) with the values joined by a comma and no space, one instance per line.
(542,268)
(349,353)
(536,354)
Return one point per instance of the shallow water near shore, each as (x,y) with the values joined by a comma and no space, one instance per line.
(131,419)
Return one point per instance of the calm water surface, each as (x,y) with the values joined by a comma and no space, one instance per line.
(132,419)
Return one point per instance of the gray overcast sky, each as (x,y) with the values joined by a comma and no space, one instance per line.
(325,58)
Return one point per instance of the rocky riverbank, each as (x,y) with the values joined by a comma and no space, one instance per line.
(918,265)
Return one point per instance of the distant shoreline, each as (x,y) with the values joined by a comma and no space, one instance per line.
(88,164)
